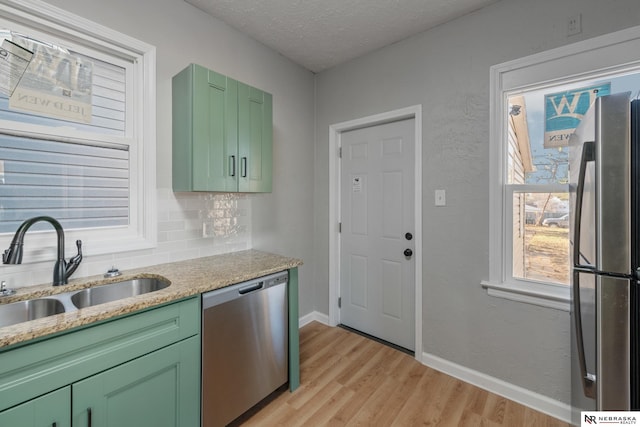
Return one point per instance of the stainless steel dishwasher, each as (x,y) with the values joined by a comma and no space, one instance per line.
(244,346)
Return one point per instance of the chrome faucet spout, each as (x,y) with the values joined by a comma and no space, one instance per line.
(61,274)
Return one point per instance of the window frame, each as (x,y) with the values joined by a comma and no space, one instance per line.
(139,59)
(588,59)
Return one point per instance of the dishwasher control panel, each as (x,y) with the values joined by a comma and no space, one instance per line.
(279,278)
(228,293)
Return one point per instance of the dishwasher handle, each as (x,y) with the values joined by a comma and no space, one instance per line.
(252,287)
(241,290)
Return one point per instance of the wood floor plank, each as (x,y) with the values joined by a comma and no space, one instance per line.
(478,401)
(408,385)
(370,413)
(514,414)
(456,404)
(472,419)
(323,416)
(495,408)
(350,380)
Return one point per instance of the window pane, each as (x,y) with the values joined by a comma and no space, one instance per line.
(82,186)
(541,237)
(54,74)
(539,125)
(530,160)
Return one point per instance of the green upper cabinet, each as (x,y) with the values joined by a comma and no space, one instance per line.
(222,133)
(255,133)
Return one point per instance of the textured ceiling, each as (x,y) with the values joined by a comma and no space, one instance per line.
(319,34)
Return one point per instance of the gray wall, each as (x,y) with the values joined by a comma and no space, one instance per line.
(281,222)
(447,71)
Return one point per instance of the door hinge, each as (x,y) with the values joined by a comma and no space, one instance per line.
(340,152)
(339,302)
(339,227)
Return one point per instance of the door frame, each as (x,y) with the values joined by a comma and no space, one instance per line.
(335,133)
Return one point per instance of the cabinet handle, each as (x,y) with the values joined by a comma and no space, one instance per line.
(232,165)
(88,417)
(54,424)
(243,169)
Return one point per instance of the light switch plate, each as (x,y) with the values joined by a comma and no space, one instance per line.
(441,198)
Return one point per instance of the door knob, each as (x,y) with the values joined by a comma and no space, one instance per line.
(408,252)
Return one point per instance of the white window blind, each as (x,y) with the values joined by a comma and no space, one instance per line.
(81,186)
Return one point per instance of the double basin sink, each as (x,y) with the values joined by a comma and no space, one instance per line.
(23,311)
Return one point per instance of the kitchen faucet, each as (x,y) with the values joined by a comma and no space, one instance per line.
(61,270)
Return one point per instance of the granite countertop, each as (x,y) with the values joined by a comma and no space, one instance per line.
(188,278)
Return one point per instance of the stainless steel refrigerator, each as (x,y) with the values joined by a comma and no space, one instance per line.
(605,243)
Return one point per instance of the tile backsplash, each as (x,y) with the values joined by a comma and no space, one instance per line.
(190,225)
(224,216)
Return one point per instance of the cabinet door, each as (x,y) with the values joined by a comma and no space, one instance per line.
(161,389)
(214,131)
(215,136)
(51,410)
(255,139)
(205,138)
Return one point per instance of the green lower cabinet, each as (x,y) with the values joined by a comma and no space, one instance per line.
(135,371)
(51,410)
(161,389)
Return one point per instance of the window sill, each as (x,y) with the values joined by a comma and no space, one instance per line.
(558,298)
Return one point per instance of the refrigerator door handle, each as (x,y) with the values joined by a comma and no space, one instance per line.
(588,379)
(588,155)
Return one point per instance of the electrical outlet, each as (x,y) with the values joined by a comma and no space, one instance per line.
(574,25)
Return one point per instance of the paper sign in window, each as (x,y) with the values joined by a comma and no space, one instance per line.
(14,60)
(56,84)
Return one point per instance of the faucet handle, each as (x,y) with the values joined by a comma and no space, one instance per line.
(112,272)
(4,292)
(10,256)
(74,262)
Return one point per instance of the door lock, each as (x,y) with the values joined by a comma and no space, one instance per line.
(408,236)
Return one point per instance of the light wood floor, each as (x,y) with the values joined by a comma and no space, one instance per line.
(350,380)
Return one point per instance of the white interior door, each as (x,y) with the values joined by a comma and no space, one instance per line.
(377,279)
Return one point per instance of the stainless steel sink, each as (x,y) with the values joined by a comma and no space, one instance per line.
(116,291)
(23,311)
(18,312)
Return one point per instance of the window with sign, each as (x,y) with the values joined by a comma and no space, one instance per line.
(535,114)
(540,124)
(77,130)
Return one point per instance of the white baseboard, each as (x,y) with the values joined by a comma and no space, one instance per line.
(500,387)
(313,316)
